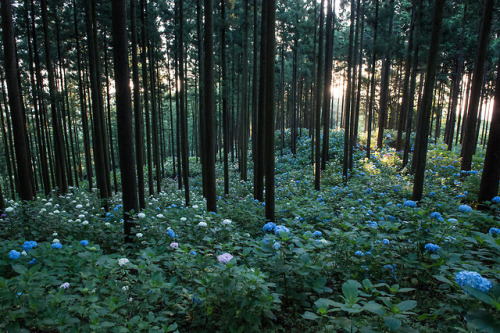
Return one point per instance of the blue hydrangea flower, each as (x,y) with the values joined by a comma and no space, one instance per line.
(269,226)
(57,246)
(281,228)
(431,247)
(276,246)
(385,241)
(171,233)
(193,253)
(496,199)
(372,224)
(432,194)
(474,280)
(14,254)
(32,261)
(410,203)
(359,253)
(464,209)
(84,242)
(494,231)
(317,233)
(28,245)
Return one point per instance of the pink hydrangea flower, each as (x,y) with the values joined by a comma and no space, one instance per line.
(174,245)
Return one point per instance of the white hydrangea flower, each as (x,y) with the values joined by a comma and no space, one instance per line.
(141,215)
(226,221)
(202,224)
(85,222)
(123,261)
(139,235)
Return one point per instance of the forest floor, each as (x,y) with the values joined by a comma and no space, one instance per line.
(351,257)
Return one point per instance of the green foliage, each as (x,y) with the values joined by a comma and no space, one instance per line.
(301,280)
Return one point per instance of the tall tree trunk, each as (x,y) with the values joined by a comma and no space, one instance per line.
(372,83)
(60,157)
(225,98)
(270,8)
(317,110)
(100,144)
(24,166)
(470,125)
(420,154)
(347,108)
(209,108)
(328,83)
(138,124)
(245,116)
(403,114)
(384,86)
(182,106)
(124,116)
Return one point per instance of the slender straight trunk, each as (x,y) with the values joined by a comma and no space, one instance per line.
(295,51)
(348,94)
(138,124)
(145,86)
(317,110)
(182,106)
(225,98)
(255,83)
(124,116)
(245,117)
(42,151)
(413,83)
(25,188)
(259,153)
(420,154)
(60,157)
(354,107)
(83,105)
(209,108)
(384,85)
(372,84)
(328,83)
(456,84)
(100,144)
(469,141)
(270,7)
(108,109)
(403,114)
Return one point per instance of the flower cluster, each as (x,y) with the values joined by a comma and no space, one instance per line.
(281,228)
(84,242)
(464,209)
(14,254)
(269,226)
(410,203)
(359,253)
(56,245)
(432,248)
(224,258)
(437,216)
(317,233)
(496,199)
(474,280)
(494,231)
(123,261)
(174,245)
(171,233)
(28,245)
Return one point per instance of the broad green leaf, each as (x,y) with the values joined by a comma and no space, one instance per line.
(479,295)
(392,323)
(310,316)
(350,291)
(442,279)
(482,321)
(374,308)
(407,305)
(20,269)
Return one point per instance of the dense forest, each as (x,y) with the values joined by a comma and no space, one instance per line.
(249,165)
